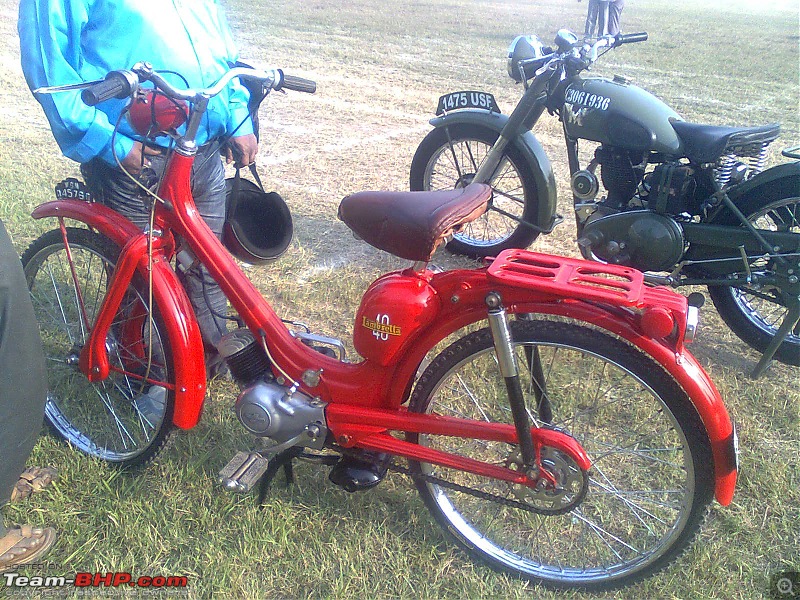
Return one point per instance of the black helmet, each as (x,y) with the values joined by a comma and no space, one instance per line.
(258,225)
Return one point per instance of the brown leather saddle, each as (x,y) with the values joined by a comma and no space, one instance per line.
(412,225)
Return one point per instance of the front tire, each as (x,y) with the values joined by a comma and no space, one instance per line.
(651,479)
(756,318)
(124,419)
(439,166)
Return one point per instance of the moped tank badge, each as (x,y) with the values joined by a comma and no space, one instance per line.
(381,327)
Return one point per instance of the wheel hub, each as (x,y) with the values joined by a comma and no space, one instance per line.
(561,488)
(464,180)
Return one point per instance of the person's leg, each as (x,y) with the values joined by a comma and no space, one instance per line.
(591,18)
(602,17)
(23,383)
(23,380)
(116,190)
(614,16)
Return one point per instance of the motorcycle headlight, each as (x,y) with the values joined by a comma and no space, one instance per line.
(525,56)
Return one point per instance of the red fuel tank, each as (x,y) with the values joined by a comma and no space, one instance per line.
(392,310)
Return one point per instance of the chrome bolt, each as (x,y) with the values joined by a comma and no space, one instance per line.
(493,300)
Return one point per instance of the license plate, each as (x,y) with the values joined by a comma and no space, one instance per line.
(459,100)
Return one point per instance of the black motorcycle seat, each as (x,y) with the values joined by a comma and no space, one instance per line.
(706,143)
(412,225)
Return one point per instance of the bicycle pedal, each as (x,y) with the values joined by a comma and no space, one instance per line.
(243,471)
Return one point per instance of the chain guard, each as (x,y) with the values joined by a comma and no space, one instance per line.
(505,501)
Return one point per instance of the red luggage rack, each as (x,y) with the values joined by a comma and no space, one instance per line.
(660,308)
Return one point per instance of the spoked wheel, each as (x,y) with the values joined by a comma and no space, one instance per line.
(755,313)
(444,164)
(651,478)
(126,418)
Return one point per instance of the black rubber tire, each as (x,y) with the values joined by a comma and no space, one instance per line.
(622,433)
(753,326)
(468,139)
(76,409)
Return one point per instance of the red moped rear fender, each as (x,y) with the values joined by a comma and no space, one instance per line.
(176,311)
(466,291)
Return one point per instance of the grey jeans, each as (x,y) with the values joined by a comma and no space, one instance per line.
(610,16)
(115,189)
(23,380)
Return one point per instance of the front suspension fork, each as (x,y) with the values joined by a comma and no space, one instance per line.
(504,348)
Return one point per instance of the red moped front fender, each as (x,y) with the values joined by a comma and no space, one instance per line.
(168,293)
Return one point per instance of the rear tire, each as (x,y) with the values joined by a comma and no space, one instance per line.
(651,479)
(123,420)
(438,167)
(755,319)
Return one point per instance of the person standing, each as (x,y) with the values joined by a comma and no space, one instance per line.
(73,41)
(23,391)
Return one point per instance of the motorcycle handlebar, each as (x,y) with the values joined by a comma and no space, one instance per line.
(630,38)
(296,84)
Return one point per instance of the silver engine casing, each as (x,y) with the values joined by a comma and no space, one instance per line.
(269,410)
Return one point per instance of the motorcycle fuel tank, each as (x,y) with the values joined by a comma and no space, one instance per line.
(616,113)
(392,310)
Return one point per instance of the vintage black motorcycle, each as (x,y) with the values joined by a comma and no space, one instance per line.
(689,204)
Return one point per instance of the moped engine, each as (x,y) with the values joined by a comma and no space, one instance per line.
(245,358)
(638,238)
(269,410)
(264,407)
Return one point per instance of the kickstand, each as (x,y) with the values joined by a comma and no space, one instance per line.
(789,322)
(285,460)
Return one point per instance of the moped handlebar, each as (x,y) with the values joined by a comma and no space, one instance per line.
(297,84)
(124,83)
(117,84)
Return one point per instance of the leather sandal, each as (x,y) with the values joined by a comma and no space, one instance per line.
(33,479)
(24,544)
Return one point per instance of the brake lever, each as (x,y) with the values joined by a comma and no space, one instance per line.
(54,89)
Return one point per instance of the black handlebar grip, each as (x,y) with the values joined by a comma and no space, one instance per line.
(630,38)
(298,84)
(115,85)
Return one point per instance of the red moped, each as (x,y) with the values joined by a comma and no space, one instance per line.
(551,417)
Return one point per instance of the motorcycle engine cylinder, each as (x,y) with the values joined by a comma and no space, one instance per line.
(246,358)
(618,173)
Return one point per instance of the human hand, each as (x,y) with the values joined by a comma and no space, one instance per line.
(242,149)
(136,159)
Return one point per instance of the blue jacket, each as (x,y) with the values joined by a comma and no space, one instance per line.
(69,41)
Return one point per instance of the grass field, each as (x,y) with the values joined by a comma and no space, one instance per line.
(380,69)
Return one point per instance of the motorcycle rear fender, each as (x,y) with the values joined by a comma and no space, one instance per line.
(531,150)
(775,183)
(168,293)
